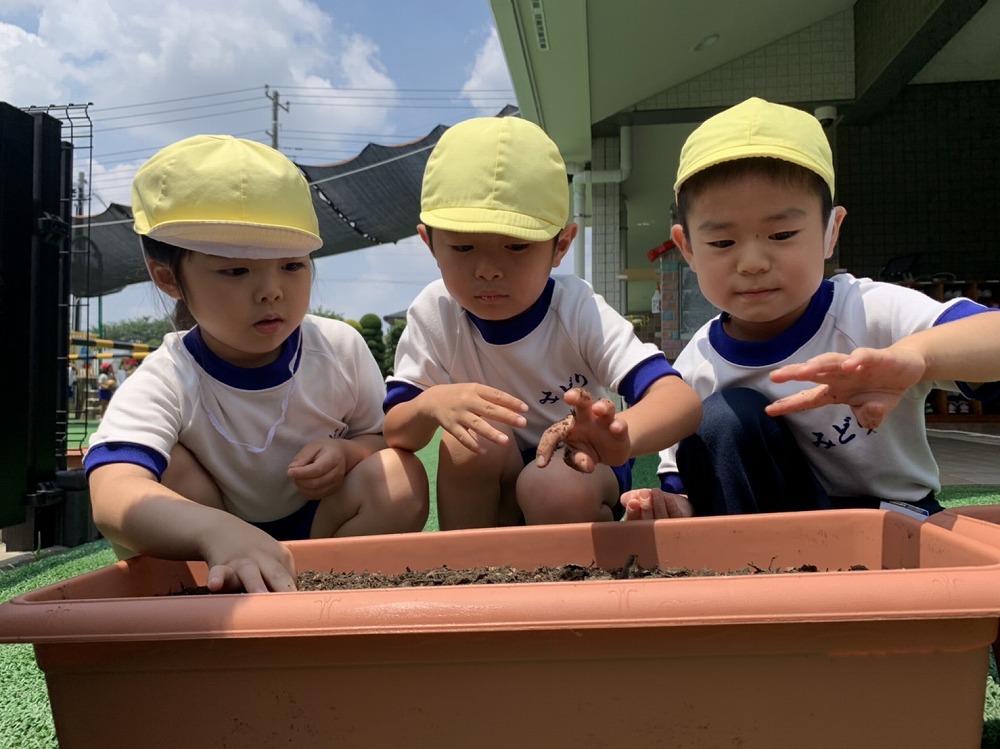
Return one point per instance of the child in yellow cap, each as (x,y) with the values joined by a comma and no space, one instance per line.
(261,423)
(813,389)
(498,349)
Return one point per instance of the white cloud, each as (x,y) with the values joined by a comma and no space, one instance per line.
(321,104)
(489,73)
(156,73)
(380,279)
(153,78)
(30,70)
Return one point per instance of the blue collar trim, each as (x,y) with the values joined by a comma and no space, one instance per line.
(779,348)
(256,378)
(500,332)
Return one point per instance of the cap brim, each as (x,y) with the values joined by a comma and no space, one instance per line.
(487,221)
(232,239)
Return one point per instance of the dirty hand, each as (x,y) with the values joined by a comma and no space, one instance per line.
(318,469)
(870,381)
(243,557)
(465,411)
(655,504)
(590,434)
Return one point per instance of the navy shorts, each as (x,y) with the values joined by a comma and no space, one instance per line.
(294,527)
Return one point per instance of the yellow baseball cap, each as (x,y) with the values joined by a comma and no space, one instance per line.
(757,128)
(496,175)
(225,196)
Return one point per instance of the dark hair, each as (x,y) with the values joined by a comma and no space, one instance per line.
(775,170)
(171,256)
(430,237)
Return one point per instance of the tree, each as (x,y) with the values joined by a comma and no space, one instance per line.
(371,331)
(391,341)
(324,312)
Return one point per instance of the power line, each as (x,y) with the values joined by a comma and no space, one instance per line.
(175,109)
(339,96)
(394,105)
(151,150)
(171,101)
(406,90)
(355,135)
(159,102)
(179,119)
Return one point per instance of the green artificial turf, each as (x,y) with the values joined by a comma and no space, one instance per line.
(25,718)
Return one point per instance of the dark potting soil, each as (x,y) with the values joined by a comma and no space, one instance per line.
(311,580)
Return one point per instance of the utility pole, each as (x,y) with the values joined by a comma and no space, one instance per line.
(275,106)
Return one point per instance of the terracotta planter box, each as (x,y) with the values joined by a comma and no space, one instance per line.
(770,660)
(978,522)
(986,513)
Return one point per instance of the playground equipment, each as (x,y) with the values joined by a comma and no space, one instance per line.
(85,351)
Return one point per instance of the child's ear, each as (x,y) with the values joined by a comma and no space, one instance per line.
(837,216)
(679,238)
(164,279)
(565,241)
(426,236)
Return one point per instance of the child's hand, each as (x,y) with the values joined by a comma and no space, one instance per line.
(654,504)
(465,411)
(319,468)
(870,381)
(243,557)
(591,434)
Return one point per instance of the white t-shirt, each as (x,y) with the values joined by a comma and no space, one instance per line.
(184,393)
(569,338)
(846,313)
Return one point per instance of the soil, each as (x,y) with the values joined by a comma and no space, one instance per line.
(312,580)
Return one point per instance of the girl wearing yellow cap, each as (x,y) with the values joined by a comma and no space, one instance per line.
(260,423)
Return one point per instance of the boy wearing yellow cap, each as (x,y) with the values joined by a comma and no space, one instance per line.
(813,389)
(496,350)
(261,423)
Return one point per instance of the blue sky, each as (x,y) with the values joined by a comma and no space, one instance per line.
(384,71)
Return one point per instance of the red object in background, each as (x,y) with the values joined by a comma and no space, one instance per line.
(660,249)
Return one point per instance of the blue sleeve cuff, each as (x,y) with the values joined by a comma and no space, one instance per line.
(399,392)
(637,382)
(125,452)
(966,308)
(671,482)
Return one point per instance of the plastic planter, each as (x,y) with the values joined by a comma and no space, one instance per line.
(978,522)
(827,659)
(985,513)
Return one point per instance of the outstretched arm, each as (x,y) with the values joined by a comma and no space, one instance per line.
(594,433)
(872,381)
(133,509)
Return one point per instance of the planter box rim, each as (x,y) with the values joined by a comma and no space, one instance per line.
(58,613)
